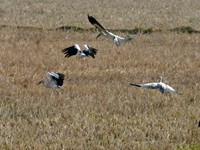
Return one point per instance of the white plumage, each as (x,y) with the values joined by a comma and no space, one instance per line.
(76,50)
(162,87)
(116,39)
(55,81)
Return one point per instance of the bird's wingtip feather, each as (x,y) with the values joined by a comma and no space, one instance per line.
(135,84)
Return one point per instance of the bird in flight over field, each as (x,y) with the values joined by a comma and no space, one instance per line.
(55,81)
(162,87)
(116,39)
(76,50)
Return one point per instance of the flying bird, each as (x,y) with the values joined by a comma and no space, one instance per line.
(76,50)
(55,81)
(162,87)
(116,39)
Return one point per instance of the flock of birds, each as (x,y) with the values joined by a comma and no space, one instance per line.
(55,79)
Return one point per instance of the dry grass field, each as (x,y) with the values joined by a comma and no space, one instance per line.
(99,109)
(123,14)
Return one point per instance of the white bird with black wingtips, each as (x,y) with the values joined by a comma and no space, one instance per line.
(76,50)
(116,39)
(162,87)
(55,81)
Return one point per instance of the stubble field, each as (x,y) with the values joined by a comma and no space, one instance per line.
(99,109)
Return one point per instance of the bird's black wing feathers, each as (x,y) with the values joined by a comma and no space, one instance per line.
(135,85)
(59,80)
(94,22)
(70,51)
(91,52)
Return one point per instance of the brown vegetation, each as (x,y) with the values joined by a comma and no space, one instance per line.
(116,14)
(99,110)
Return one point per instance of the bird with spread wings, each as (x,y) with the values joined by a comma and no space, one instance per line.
(162,87)
(55,81)
(116,39)
(76,50)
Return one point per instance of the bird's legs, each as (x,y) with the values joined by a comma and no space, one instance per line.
(58,96)
(84,64)
(52,95)
(117,43)
(118,52)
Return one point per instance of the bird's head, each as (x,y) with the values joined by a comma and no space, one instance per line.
(99,35)
(160,79)
(40,82)
(129,37)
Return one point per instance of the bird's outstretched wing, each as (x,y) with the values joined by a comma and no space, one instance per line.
(90,51)
(169,89)
(147,85)
(50,75)
(72,50)
(117,39)
(95,23)
(60,79)
(57,77)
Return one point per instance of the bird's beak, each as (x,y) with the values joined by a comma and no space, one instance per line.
(39,82)
(98,35)
(129,37)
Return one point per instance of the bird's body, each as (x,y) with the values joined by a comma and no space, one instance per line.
(116,39)
(162,87)
(55,81)
(76,50)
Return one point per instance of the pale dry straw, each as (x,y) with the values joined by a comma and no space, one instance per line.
(99,109)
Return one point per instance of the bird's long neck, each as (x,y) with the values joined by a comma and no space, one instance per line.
(160,80)
(128,39)
(43,83)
